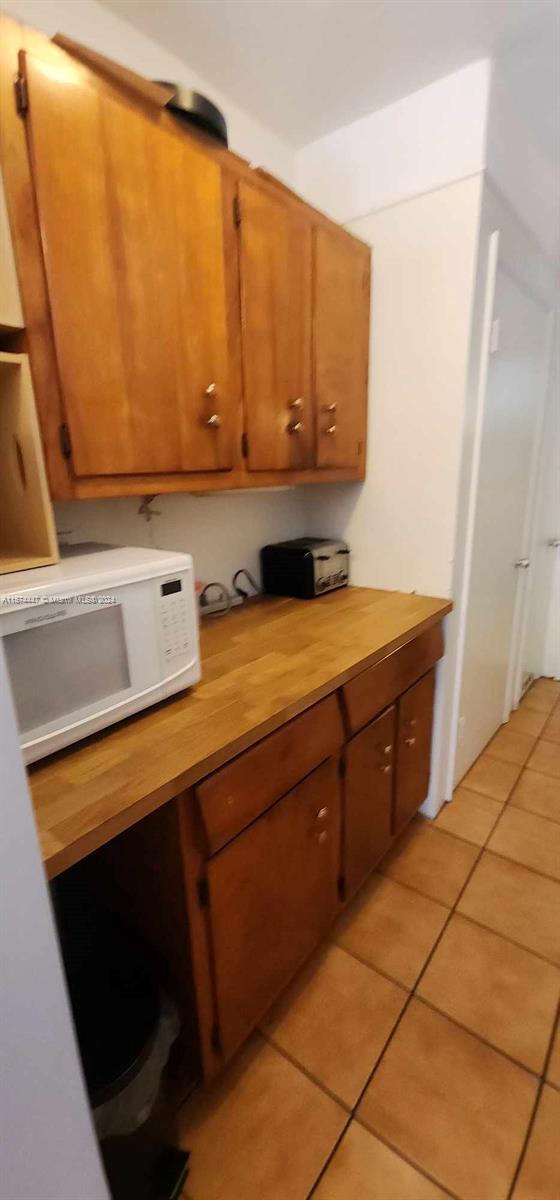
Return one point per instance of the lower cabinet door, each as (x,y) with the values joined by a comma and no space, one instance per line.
(272,897)
(414,743)
(368,799)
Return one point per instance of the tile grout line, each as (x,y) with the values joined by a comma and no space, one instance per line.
(406,1006)
(413,994)
(535,1109)
(516,1061)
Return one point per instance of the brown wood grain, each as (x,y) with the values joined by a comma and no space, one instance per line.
(24,225)
(275,256)
(158,94)
(279,878)
(54,405)
(132,233)
(239,792)
(372,691)
(414,745)
(368,799)
(261,665)
(341,306)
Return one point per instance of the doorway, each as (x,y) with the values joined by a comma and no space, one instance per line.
(500,565)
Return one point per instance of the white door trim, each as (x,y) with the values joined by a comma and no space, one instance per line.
(514,684)
(462,602)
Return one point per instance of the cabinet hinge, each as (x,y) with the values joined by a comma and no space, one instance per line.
(236,212)
(215,1038)
(203,893)
(65,443)
(22,95)
(245,445)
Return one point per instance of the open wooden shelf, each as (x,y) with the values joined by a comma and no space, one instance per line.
(27,530)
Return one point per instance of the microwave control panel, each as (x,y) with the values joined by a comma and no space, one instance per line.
(174,609)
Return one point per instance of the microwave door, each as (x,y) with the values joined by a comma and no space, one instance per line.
(70,667)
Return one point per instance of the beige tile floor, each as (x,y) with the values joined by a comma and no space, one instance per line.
(417,1056)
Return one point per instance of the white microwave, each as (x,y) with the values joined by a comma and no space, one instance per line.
(105,632)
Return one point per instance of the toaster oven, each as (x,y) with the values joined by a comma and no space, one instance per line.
(305,567)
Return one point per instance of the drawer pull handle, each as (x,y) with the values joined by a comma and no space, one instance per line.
(330,429)
(322,814)
(294,427)
(329,408)
(411,723)
(210,390)
(214,421)
(297,403)
(411,741)
(386,769)
(322,837)
(387,749)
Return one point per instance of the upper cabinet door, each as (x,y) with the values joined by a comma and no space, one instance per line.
(132,224)
(341,341)
(276,242)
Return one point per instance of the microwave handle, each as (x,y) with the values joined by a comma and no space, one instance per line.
(156,687)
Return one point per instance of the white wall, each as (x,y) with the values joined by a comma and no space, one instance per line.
(523,138)
(426,140)
(401,522)
(91,23)
(222,532)
(48,1145)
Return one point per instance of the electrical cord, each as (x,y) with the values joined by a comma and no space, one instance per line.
(223,594)
(251,581)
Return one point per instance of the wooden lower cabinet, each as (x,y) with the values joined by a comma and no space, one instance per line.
(414,744)
(234,884)
(272,896)
(368,799)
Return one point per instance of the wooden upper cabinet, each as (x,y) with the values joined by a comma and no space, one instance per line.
(275,262)
(136,257)
(341,295)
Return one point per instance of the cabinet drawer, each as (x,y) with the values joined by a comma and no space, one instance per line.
(368,799)
(414,745)
(233,796)
(372,691)
(272,896)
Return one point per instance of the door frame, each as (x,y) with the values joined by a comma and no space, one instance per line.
(499,234)
(515,684)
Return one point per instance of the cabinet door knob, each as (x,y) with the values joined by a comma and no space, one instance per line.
(294,427)
(411,723)
(322,814)
(210,390)
(411,741)
(322,837)
(297,403)
(387,749)
(330,430)
(329,408)
(214,421)
(386,769)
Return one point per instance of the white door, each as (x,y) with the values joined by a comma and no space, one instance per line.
(510,428)
(540,648)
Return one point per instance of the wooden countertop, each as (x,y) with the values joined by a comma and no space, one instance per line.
(261,665)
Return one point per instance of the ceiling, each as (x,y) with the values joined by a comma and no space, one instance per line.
(306,67)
